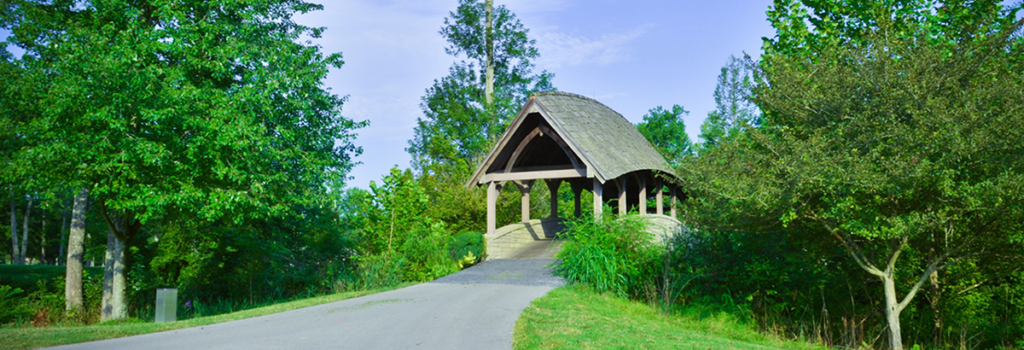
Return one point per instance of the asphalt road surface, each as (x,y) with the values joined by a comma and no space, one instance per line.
(473,309)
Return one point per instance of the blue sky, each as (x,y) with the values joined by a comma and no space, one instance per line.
(629,55)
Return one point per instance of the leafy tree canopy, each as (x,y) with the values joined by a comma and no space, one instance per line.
(890,137)
(457,125)
(734,108)
(666,130)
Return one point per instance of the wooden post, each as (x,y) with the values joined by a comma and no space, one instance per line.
(524,190)
(553,186)
(672,202)
(598,201)
(492,197)
(577,193)
(642,198)
(622,196)
(657,196)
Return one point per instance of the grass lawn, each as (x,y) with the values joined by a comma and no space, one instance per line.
(32,337)
(575,318)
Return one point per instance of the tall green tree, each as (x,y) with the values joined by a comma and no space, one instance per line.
(216,109)
(460,117)
(666,130)
(734,107)
(890,131)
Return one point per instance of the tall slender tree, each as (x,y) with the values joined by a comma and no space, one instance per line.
(466,110)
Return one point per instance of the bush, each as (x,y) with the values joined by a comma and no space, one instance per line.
(376,271)
(467,248)
(617,256)
(12,308)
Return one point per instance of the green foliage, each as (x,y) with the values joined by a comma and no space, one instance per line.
(468,248)
(617,256)
(396,225)
(734,107)
(43,302)
(378,271)
(884,156)
(11,309)
(666,131)
(457,126)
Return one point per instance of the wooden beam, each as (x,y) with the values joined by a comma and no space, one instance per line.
(642,196)
(623,209)
(535,175)
(492,198)
(524,191)
(577,193)
(598,198)
(657,197)
(519,149)
(553,186)
(672,201)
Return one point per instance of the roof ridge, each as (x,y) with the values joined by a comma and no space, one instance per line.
(569,94)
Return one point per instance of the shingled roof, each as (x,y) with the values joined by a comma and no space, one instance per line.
(608,144)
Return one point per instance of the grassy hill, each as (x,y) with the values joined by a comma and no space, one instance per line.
(575,318)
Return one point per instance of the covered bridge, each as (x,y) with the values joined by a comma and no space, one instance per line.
(560,138)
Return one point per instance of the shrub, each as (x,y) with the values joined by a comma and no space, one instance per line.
(467,248)
(617,256)
(380,270)
(12,308)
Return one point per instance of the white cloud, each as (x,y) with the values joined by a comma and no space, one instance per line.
(564,49)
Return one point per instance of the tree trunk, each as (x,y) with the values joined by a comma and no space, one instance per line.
(489,82)
(14,231)
(122,228)
(24,230)
(892,309)
(63,240)
(113,302)
(76,250)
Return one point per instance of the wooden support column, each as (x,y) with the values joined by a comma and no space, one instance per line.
(598,198)
(642,198)
(623,209)
(492,198)
(553,189)
(577,193)
(524,190)
(658,201)
(672,202)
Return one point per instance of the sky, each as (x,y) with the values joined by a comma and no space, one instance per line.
(628,55)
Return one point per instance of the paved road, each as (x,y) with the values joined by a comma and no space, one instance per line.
(473,309)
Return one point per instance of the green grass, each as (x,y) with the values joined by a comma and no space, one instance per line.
(576,318)
(32,337)
(25,276)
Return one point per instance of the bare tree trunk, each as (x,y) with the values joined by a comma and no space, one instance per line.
(892,310)
(14,231)
(113,302)
(76,250)
(489,82)
(24,231)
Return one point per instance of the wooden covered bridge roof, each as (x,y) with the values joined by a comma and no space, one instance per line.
(596,142)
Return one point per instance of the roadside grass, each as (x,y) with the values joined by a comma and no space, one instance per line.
(575,317)
(38,337)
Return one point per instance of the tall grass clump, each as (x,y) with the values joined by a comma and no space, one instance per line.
(612,255)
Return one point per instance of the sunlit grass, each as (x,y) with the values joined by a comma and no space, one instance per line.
(37,337)
(576,318)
